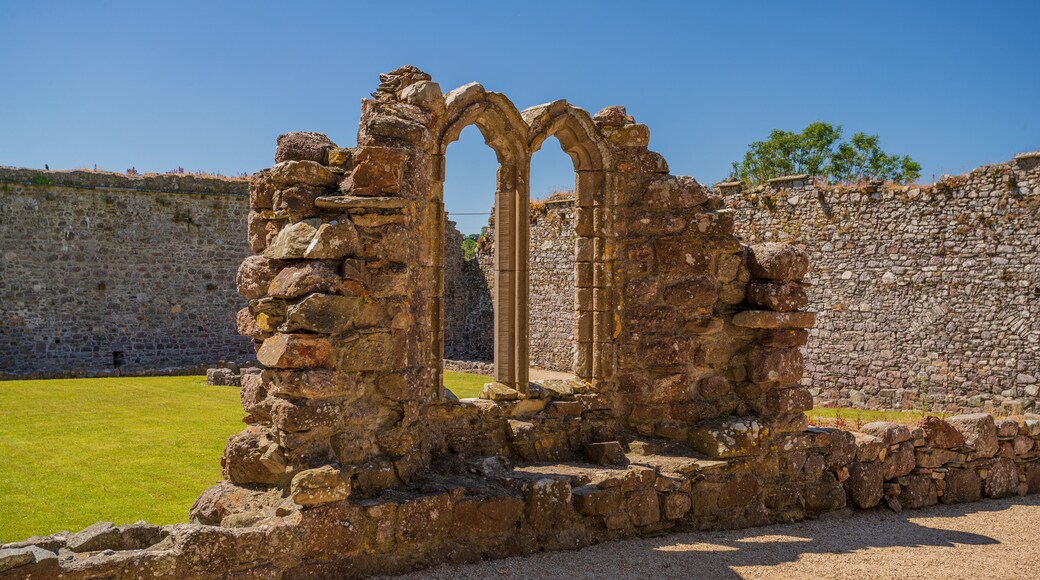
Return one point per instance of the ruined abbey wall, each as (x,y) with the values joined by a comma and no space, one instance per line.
(105,273)
(927,296)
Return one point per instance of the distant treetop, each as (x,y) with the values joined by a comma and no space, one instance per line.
(820,151)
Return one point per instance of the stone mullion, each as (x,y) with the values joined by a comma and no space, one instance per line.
(437,251)
(522,224)
(505,277)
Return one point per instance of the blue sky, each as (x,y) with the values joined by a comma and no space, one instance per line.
(210,85)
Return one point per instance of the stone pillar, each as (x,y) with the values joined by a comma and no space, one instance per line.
(344,302)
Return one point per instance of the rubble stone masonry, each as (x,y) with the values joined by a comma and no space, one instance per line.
(102,273)
(926,296)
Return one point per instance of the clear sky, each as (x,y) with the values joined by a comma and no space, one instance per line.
(210,85)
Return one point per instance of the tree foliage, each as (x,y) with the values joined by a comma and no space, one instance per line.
(820,151)
(469,246)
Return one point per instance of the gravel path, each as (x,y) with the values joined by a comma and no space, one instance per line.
(987,539)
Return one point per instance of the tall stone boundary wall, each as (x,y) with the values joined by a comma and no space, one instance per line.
(468,307)
(927,296)
(103,273)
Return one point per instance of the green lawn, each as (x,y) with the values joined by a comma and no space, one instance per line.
(856,418)
(77,451)
(465,385)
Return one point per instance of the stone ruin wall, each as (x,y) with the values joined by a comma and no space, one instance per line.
(686,412)
(100,269)
(926,296)
(468,306)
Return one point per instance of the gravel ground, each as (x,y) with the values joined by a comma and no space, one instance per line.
(987,539)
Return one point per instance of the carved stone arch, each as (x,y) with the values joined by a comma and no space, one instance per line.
(574,129)
(593,302)
(505,131)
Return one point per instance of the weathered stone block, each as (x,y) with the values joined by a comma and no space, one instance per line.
(300,279)
(917,491)
(676,505)
(1001,479)
(962,485)
(377,171)
(979,432)
(770,319)
(733,438)
(548,503)
(251,457)
(633,135)
(841,448)
(302,146)
(369,351)
(930,458)
(643,507)
(824,494)
(294,351)
(789,400)
(255,276)
(778,296)
(900,461)
(303,415)
(424,520)
(590,500)
(299,173)
(889,433)
(605,453)
(291,242)
(486,517)
(869,448)
(777,261)
(297,200)
(695,292)
(865,484)
(323,313)
(775,365)
(1006,428)
(940,434)
(321,485)
(781,338)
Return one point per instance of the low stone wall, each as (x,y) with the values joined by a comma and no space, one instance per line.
(105,274)
(470,366)
(927,296)
(467,510)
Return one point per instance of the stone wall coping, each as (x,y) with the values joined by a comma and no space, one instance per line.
(788,178)
(150,182)
(729,184)
(1028,155)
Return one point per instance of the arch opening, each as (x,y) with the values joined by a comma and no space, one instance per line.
(504,131)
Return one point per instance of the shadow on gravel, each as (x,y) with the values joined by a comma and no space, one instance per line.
(717,554)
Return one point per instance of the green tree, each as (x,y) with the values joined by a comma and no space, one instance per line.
(469,246)
(819,150)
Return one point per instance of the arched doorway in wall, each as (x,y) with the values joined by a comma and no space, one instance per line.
(551,268)
(469,197)
(576,135)
(504,130)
